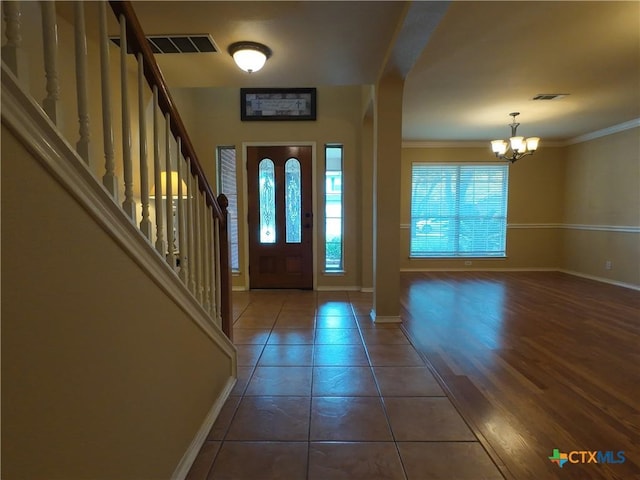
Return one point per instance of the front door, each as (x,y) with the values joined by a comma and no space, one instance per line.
(280,217)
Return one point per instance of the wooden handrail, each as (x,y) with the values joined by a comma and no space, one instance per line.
(138,43)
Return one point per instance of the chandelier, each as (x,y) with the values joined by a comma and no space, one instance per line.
(520,146)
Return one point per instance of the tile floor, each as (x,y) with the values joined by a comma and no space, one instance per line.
(324,394)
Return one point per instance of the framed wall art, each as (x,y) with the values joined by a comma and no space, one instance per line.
(277,104)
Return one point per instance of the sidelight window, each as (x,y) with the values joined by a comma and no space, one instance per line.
(333,204)
(227,185)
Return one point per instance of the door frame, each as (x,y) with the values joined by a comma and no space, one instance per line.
(245,204)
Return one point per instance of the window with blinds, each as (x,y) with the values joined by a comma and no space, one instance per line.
(227,185)
(333,204)
(458,210)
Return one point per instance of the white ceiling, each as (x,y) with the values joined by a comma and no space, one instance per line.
(482,59)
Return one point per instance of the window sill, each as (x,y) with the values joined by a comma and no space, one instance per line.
(497,257)
(333,273)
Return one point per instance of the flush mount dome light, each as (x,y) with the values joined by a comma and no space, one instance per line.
(249,56)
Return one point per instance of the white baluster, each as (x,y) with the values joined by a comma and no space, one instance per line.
(171,254)
(206,255)
(109,179)
(145,223)
(217,272)
(160,245)
(191,260)
(212,263)
(128,205)
(12,53)
(198,240)
(82,146)
(182,234)
(50,45)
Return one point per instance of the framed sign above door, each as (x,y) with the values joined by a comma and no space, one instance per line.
(277,104)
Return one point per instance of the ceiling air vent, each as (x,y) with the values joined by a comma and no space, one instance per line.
(178,43)
(550,96)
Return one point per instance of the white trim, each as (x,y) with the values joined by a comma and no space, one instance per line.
(444,144)
(530,269)
(366,289)
(635,123)
(517,226)
(314,202)
(330,288)
(577,226)
(601,279)
(483,269)
(566,226)
(29,122)
(464,144)
(603,228)
(384,318)
(186,462)
(479,144)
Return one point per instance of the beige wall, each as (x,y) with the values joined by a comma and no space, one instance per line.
(548,191)
(534,210)
(103,375)
(602,207)
(213,119)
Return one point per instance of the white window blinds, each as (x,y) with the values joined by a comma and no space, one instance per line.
(458,210)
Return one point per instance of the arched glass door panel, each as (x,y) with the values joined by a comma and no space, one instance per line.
(267,183)
(293,206)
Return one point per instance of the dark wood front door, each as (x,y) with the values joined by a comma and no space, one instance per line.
(280,217)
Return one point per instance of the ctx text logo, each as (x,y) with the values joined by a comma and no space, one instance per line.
(586,456)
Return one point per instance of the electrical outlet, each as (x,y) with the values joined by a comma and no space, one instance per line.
(467,262)
(608,265)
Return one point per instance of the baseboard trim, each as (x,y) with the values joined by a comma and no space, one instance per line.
(384,318)
(617,283)
(348,288)
(186,462)
(601,279)
(500,269)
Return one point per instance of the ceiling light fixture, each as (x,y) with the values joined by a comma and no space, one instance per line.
(249,56)
(520,146)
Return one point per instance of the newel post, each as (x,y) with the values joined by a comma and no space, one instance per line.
(225,269)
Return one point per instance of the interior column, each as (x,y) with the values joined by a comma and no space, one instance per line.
(386,199)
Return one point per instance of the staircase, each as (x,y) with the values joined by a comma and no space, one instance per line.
(116,318)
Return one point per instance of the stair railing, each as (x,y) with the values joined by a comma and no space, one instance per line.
(163,178)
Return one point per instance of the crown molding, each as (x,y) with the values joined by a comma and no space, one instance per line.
(635,123)
(448,144)
(462,144)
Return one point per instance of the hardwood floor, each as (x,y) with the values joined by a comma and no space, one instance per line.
(535,362)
